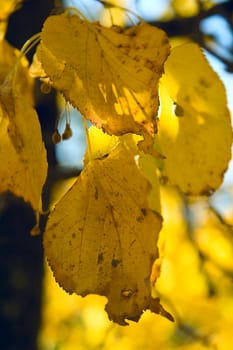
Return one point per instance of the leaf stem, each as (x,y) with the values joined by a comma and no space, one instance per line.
(28,45)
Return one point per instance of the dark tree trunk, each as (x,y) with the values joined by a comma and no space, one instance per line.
(21,271)
(21,255)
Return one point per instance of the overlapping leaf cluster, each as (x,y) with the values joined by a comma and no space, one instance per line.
(118,92)
(101,237)
(111,231)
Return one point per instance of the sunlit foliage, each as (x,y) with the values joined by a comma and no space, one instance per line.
(136,227)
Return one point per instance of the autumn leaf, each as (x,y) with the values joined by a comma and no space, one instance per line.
(148,166)
(101,237)
(8,58)
(8,7)
(195,133)
(101,144)
(214,238)
(22,153)
(110,74)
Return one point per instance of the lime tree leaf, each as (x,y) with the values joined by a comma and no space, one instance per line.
(110,74)
(8,58)
(101,237)
(22,152)
(195,134)
(148,166)
(101,144)
(8,7)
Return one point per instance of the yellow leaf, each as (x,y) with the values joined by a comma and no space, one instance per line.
(186,8)
(8,58)
(36,70)
(101,144)
(109,74)
(8,7)
(22,153)
(101,237)
(113,12)
(195,133)
(214,239)
(147,164)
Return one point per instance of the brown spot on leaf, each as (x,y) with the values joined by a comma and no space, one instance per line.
(144,211)
(204,82)
(178,110)
(115,262)
(100,258)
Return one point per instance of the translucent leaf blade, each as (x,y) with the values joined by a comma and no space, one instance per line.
(110,74)
(101,237)
(195,133)
(22,152)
